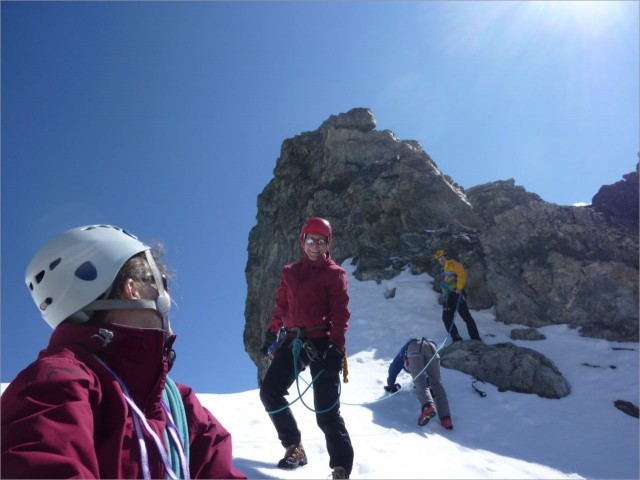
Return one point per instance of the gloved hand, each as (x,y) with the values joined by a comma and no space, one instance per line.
(269,338)
(393,389)
(333,358)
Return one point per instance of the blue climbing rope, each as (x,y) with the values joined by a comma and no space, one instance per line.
(296,348)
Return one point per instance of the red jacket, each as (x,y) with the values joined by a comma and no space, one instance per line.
(65,415)
(313,293)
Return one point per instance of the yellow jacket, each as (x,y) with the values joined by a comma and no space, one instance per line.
(453,277)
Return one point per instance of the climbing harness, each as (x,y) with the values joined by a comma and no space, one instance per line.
(177,459)
(310,354)
(419,353)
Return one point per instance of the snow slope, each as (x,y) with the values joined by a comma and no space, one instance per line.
(502,435)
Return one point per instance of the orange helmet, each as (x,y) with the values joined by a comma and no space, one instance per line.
(316,225)
(440,253)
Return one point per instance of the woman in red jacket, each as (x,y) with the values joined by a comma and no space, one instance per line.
(97,402)
(312,307)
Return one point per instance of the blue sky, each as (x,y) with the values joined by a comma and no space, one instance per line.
(166,118)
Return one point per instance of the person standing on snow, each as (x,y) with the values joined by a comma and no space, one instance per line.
(97,402)
(454,279)
(311,307)
(413,357)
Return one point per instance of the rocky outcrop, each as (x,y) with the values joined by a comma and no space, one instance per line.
(385,198)
(549,264)
(508,367)
(620,200)
(391,207)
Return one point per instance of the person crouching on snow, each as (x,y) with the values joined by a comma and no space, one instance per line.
(413,357)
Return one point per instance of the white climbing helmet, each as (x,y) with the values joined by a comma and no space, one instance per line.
(78,266)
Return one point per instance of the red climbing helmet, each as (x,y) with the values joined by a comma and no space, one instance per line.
(316,225)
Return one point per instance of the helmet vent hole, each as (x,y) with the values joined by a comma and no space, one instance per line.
(87,271)
(47,301)
(40,276)
(55,263)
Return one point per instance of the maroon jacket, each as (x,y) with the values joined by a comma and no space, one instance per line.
(65,415)
(313,293)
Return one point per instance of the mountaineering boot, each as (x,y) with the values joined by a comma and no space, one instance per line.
(446,423)
(339,472)
(428,412)
(456,338)
(294,457)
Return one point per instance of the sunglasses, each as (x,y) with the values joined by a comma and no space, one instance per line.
(321,242)
(151,279)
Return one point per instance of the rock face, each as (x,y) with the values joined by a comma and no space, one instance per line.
(548,264)
(384,198)
(391,207)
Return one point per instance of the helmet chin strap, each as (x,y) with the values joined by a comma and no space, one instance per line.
(161,304)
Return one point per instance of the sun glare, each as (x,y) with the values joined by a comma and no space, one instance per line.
(589,17)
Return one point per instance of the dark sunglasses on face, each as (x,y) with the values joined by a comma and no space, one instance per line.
(150,279)
(321,242)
